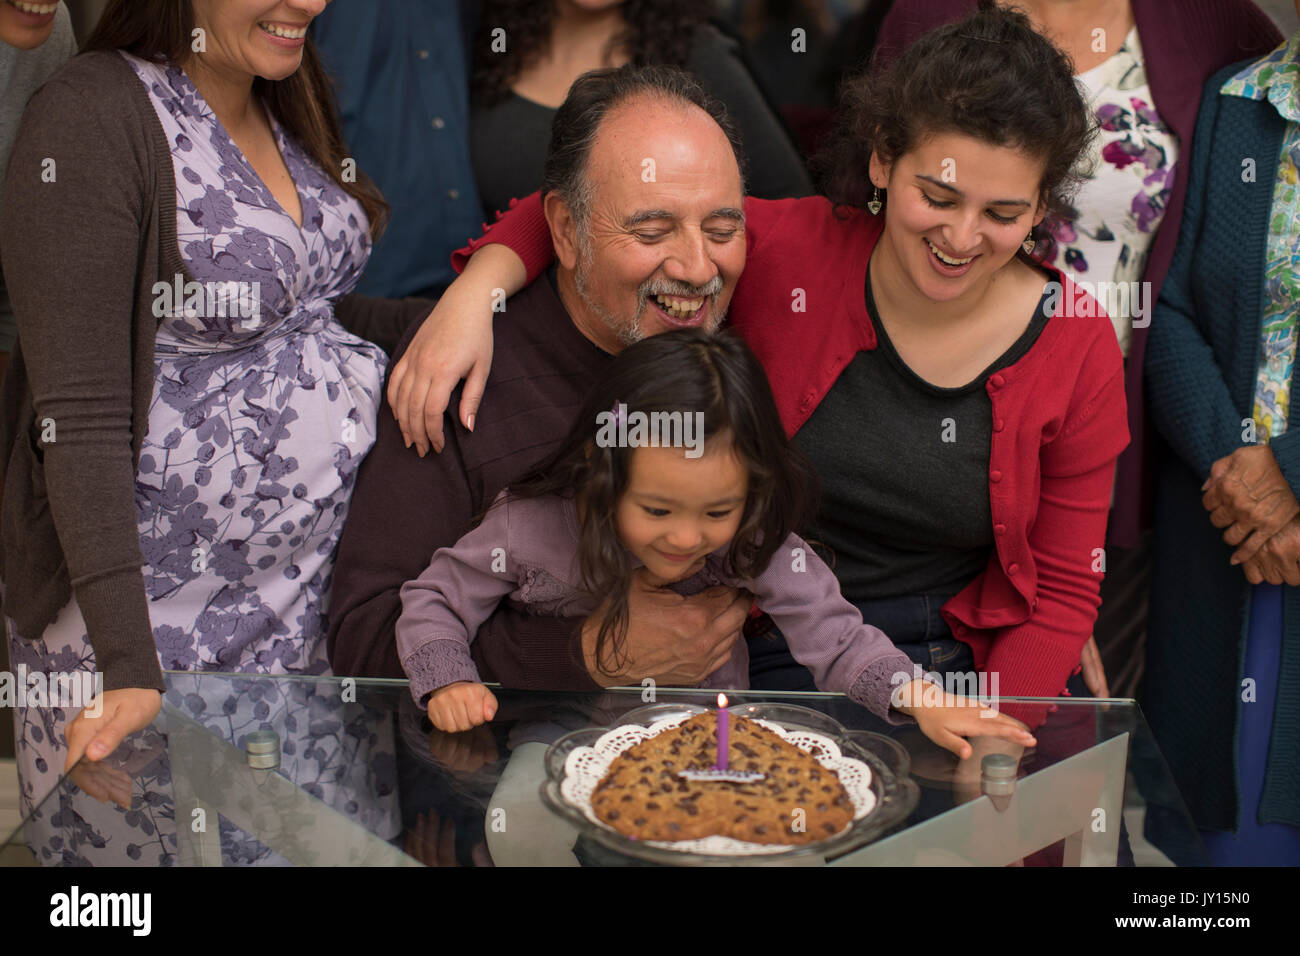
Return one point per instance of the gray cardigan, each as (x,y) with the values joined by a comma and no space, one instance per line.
(89,225)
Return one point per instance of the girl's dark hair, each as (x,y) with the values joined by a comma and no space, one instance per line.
(161,31)
(990,76)
(657,32)
(688,371)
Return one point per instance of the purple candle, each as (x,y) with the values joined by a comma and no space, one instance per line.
(724,733)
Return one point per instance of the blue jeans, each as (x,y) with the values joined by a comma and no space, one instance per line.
(912,622)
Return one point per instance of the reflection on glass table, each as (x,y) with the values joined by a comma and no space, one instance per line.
(275,770)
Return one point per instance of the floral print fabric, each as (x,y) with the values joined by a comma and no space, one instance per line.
(263,407)
(1130,169)
(1276,78)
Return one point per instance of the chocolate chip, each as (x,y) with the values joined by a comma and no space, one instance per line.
(639,822)
(613,814)
(652,805)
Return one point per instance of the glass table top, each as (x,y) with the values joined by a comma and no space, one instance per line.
(244,769)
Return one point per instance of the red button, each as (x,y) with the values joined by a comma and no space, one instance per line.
(995,476)
(997,425)
(997,381)
(999,529)
(1013,569)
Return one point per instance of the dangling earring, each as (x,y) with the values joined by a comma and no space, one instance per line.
(875,204)
(1028,244)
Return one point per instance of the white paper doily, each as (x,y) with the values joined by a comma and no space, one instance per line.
(585,767)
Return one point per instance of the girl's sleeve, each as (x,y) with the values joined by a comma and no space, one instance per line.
(75,197)
(445,606)
(826,633)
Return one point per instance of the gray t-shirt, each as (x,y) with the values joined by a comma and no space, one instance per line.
(904,467)
(22,73)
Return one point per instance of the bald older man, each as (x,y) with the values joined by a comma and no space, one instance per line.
(643,201)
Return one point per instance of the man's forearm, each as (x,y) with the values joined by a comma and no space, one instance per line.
(531,652)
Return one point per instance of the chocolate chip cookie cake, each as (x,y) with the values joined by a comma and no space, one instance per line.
(654,791)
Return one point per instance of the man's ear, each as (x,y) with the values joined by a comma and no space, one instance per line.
(564,230)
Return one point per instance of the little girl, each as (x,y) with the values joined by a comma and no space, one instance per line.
(677,469)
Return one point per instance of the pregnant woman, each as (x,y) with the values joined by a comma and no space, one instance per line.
(186,409)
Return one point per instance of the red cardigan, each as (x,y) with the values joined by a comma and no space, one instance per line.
(1059,424)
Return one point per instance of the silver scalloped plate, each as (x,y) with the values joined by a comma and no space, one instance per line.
(895,794)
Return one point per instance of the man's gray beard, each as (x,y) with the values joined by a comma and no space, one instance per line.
(628,331)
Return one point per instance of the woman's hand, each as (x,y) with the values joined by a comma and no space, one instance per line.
(1247,494)
(948,718)
(121,713)
(1278,560)
(454,342)
(1094,673)
(460,706)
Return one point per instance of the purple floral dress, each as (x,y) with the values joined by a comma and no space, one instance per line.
(263,407)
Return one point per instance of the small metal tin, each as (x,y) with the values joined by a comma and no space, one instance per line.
(998,778)
(262,749)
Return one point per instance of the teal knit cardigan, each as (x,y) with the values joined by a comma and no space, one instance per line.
(1201,366)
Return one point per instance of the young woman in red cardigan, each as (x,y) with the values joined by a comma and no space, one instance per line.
(964,404)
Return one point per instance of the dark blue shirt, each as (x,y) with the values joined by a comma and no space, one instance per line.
(399,68)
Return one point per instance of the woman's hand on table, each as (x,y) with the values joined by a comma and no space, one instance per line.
(1278,560)
(454,342)
(948,719)
(102,782)
(461,706)
(121,713)
(1248,495)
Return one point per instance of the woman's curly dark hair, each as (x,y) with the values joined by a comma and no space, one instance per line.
(990,76)
(657,32)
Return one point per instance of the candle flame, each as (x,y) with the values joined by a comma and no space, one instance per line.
(722,701)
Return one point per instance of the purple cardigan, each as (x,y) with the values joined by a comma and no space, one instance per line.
(1185,42)
(527,551)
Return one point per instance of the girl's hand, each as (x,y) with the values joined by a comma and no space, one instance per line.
(454,342)
(947,718)
(460,706)
(120,713)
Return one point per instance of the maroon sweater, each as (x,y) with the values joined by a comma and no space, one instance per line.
(1185,42)
(405,507)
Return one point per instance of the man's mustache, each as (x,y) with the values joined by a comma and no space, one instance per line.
(683,290)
